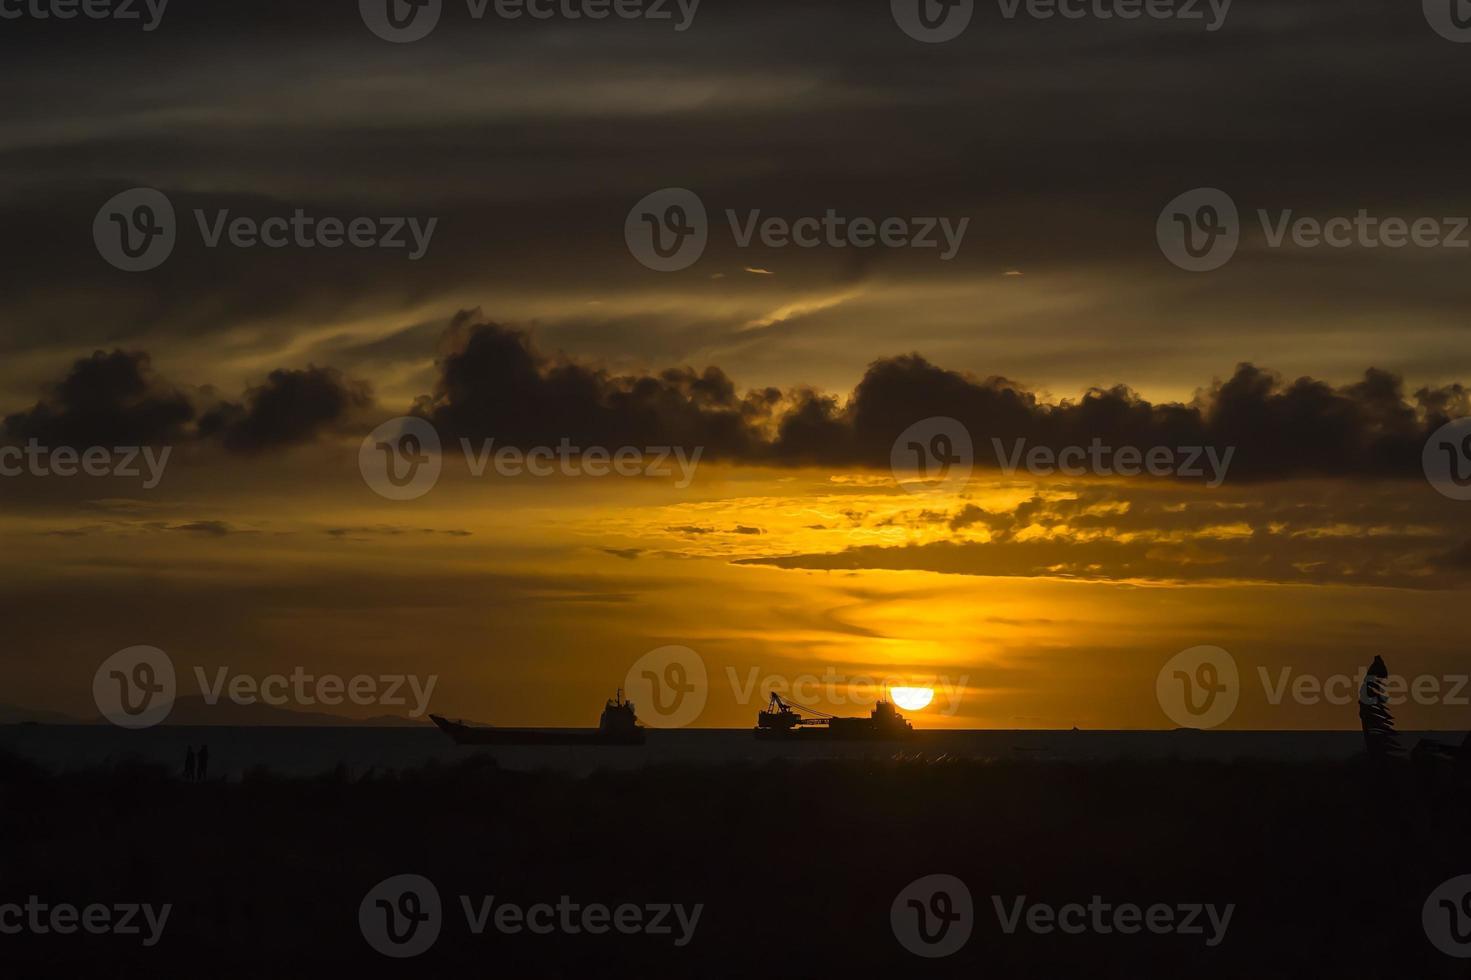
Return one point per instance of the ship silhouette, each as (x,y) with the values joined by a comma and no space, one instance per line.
(618,725)
(786,719)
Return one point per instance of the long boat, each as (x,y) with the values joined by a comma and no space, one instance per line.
(617,726)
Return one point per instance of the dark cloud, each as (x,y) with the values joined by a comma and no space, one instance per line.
(292,407)
(494,383)
(108,399)
(211,528)
(628,554)
(114,399)
(391,530)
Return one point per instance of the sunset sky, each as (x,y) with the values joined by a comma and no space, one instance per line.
(1051,601)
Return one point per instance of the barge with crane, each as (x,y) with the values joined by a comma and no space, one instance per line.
(784,719)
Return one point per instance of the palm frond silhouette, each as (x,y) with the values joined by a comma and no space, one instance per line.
(1380,737)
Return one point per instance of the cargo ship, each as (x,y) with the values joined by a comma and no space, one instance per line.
(617,726)
(781,721)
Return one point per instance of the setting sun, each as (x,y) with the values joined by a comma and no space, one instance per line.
(913,698)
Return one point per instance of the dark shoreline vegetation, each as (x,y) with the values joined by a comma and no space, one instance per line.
(796,865)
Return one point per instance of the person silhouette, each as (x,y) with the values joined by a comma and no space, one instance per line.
(189,765)
(203,762)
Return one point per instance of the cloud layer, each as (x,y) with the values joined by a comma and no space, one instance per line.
(494,383)
(115,399)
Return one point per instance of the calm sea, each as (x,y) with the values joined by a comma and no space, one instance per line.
(309,751)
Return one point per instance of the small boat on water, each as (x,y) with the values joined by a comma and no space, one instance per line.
(617,726)
(779,720)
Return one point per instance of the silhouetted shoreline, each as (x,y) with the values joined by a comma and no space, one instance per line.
(1326,863)
(312,750)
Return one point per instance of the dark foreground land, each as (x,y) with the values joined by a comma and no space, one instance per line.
(796,866)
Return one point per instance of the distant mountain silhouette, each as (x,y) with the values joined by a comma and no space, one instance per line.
(194,710)
(11,714)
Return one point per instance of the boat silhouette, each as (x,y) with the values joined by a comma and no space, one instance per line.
(781,721)
(618,725)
